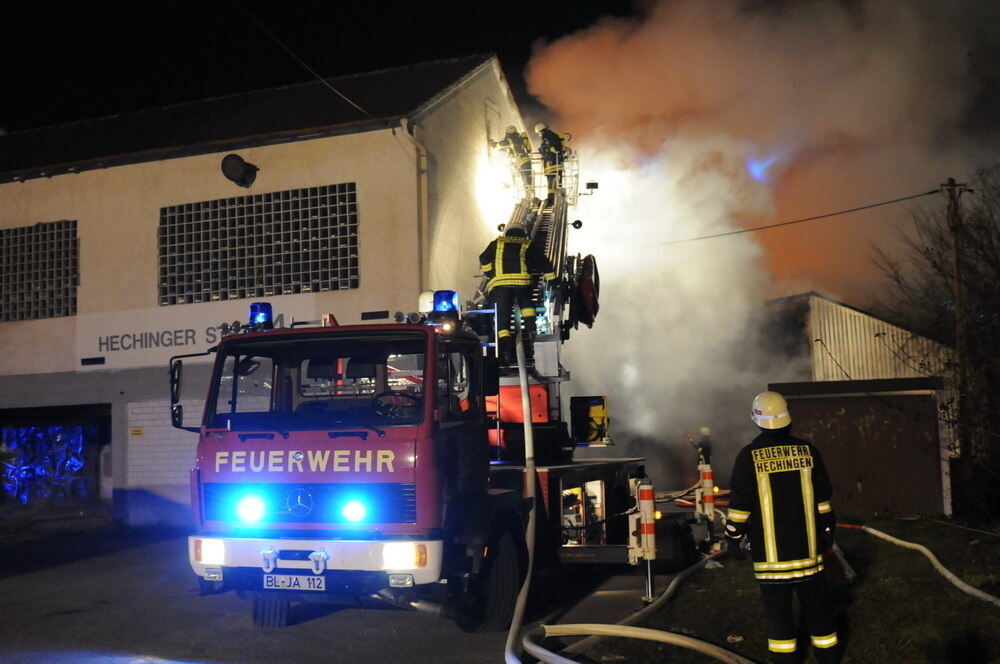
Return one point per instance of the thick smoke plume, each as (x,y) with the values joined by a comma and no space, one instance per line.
(702,117)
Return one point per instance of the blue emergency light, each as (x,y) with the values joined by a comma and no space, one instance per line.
(261,316)
(354,511)
(251,509)
(446,300)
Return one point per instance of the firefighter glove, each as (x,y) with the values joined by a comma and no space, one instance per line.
(734,549)
(826,539)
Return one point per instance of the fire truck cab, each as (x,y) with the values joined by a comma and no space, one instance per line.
(336,463)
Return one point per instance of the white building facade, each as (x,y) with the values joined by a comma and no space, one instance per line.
(124,244)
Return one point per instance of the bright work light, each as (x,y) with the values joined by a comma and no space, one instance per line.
(261,316)
(251,509)
(354,510)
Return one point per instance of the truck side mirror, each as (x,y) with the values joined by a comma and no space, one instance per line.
(176,372)
(176,375)
(177,415)
(491,376)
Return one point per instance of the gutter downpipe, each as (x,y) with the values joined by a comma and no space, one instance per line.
(423,212)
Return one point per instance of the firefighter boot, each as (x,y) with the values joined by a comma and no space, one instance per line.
(529,345)
(507,354)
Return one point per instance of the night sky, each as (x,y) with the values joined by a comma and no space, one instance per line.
(67,61)
(851,101)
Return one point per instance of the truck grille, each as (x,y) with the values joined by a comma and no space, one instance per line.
(310,503)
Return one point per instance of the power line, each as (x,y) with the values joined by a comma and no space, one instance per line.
(298,59)
(822,343)
(804,219)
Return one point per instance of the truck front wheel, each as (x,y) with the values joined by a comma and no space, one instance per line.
(492,600)
(270,612)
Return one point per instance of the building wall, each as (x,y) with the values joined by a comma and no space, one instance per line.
(856,346)
(881,449)
(470,184)
(421,225)
(117,211)
(846,344)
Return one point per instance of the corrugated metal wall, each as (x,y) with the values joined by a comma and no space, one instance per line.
(850,345)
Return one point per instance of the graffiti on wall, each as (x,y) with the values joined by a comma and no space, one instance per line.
(43,464)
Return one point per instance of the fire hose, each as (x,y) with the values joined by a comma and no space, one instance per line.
(944,571)
(529,483)
(595,631)
(623,629)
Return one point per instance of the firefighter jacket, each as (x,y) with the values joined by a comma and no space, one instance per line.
(517,145)
(551,149)
(510,261)
(781,500)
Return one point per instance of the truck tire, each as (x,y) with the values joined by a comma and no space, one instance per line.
(270,612)
(493,600)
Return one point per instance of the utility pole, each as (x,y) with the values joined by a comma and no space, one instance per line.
(955,191)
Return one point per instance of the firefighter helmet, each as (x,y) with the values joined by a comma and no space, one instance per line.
(770,411)
(705,431)
(540,126)
(515,231)
(511,129)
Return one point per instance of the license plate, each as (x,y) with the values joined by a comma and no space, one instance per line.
(294,582)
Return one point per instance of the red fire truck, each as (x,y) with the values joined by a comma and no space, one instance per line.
(348,463)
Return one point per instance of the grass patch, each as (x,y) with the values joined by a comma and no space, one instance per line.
(900,609)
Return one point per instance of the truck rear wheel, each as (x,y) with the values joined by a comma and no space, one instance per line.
(494,598)
(270,612)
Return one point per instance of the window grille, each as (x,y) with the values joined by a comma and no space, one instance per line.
(39,271)
(279,243)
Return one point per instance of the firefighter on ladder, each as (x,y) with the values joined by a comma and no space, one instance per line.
(516,144)
(553,154)
(780,500)
(509,263)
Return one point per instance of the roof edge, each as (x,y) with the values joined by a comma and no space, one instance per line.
(243,142)
(443,96)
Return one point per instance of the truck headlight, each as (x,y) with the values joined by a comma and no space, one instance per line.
(210,551)
(404,555)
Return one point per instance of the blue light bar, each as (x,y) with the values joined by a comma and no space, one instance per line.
(261,315)
(446,300)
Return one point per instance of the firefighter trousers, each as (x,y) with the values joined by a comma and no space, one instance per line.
(782,640)
(504,298)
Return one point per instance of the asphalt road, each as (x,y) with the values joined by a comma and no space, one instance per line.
(140,604)
(127,598)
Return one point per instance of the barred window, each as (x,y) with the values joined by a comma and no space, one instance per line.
(296,241)
(39,271)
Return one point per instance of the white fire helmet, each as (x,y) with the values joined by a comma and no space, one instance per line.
(705,431)
(770,411)
(540,126)
(511,129)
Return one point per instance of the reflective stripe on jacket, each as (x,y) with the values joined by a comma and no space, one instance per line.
(511,261)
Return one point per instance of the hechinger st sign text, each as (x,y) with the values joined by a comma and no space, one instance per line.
(150,337)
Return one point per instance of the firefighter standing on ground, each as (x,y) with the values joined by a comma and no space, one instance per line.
(516,144)
(780,500)
(509,263)
(553,154)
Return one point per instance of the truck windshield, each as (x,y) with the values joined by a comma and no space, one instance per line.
(311,383)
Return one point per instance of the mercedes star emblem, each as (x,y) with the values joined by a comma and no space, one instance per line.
(299,502)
